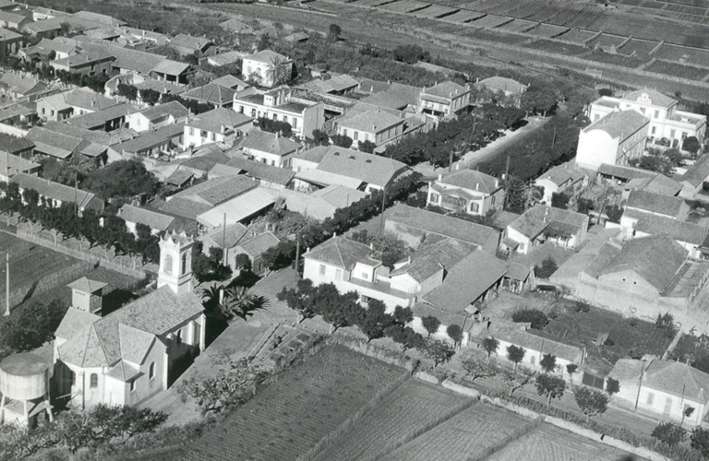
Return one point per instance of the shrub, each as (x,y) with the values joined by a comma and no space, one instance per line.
(547,268)
(537,318)
(668,433)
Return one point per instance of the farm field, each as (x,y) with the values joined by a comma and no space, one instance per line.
(301,406)
(412,407)
(678,70)
(29,262)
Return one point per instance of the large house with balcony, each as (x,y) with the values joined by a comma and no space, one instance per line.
(267,68)
(281,104)
(467,191)
(666,120)
(444,100)
(614,139)
(137,351)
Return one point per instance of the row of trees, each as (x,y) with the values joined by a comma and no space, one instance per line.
(314,233)
(106,230)
(341,310)
(153,97)
(672,435)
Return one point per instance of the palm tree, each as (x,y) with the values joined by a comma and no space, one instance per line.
(238,302)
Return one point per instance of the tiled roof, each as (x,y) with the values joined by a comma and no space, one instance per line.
(12,164)
(184,208)
(472,180)
(170,67)
(6,34)
(259,243)
(434,257)
(317,153)
(561,174)
(21,83)
(207,161)
(215,191)
(430,222)
(238,208)
(680,231)
(229,237)
(190,41)
(447,89)
(339,196)
(272,143)
(268,57)
(74,321)
(52,143)
(675,378)
(83,59)
(658,184)
(150,218)
(14,144)
(336,82)
(370,121)
(150,139)
(54,190)
(369,168)
(223,59)
(538,218)
(655,97)
(620,124)
(642,255)
(99,118)
(216,120)
(340,252)
(393,96)
(516,334)
(258,170)
(697,173)
(656,203)
(624,172)
(229,81)
(87,285)
(173,108)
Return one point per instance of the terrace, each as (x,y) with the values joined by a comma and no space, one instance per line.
(491,21)
(577,36)
(518,25)
(547,30)
(464,16)
(436,11)
(405,6)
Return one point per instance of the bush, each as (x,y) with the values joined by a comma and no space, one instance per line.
(668,433)
(537,318)
(547,268)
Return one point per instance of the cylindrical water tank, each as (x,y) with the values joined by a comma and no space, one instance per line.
(24,376)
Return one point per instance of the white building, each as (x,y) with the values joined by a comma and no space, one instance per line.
(666,120)
(467,191)
(131,354)
(615,139)
(267,68)
(269,148)
(216,126)
(158,116)
(542,223)
(303,115)
(444,100)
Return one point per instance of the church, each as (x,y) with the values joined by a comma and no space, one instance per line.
(131,354)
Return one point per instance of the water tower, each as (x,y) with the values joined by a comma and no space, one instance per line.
(24,385)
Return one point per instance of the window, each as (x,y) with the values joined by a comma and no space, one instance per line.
(657,113)
(653,130)
(344,132)
(178,336)
(93,381)
(492,200)
(672,134)
(202,134)
(356,135)
(241,109)
(274,116)
(474,207)
(650,398)
(253,112)
(151,370)
(433,197)
(131,384)
(211,136)
(43,110)
(322,269)
(532,360)
(167,264)
(191,131)
(338,274)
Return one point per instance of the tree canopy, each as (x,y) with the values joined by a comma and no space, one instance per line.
(123,178)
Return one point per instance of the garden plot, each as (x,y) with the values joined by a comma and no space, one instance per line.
(518,25)
(557,47)
(436,11)
(404,6)
(563,17)
(492,20)
(678,70)
(577,36)
(606,41)
(411,408)
(549,443)
(464,16)
(372,3)
(467,435)
(683,55)
(301,405)
(639,48)
(547,30)
(493,6)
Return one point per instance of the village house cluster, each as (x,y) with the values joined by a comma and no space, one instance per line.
(228,152)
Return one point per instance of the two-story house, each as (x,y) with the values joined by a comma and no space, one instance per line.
(269,148)
(444,100)
(543,223)
(267,68)
(467,191)
(561,179)
(378,126)
(615,139)
(135,352)
(157,116)
(281,104)
(665,119)
(215,126)
(72,103)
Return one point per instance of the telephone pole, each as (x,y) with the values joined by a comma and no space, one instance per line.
(7,283)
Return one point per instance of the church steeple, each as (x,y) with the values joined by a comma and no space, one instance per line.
(176,262)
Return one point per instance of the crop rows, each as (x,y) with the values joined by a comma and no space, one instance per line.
(306,402)
(677,70)
(411,408)
(465,436)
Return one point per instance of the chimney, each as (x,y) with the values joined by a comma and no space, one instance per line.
(477,186)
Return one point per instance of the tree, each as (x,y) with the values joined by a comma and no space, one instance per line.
(438,351)
(455,332)
(243,262)
(388,247)
(550,386)
(490,345)
(700,440)
(515,354)
(275,126)
(320,138)
(614,212)
(547,268)
(375,320)
(539,99)
(410,54)
(300,298)
(403,315)
(548,363)
(431,324)
(366,146)
(560,200)
(123,178)
(590,402)
(612,386)
(669,434)
(535,317)
(32,325)
(333,32)
(238,302)
(341,140)
(571,369)
(584,205)
(476,370)
(691,144)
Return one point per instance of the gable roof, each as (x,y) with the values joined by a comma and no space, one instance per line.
(676,378)
(641,255)
(211,93)
(434,257)
(189,42)
(540,217)
(215,191)
(170,67)
(561,174)
(54,190)
(87,285)
(680,231)
(150,218)
(370,121)
(273,143)
(447,89)
(446,226)
(230,81)
(697,173)
(268,57)
(171,108)
(369,168)
(259,243)
(515,333)
(655,97)
(504,84)
(658,184)
(340,252)
(12,164)
(665,205)
(394,95)
(619,124)
(261,171)
(472,180)
(218,119)
(625,173)
(99,118)
(227,237)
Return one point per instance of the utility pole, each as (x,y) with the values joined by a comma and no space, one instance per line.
(381,214)
(224,255)
(7,283)
(297,257)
